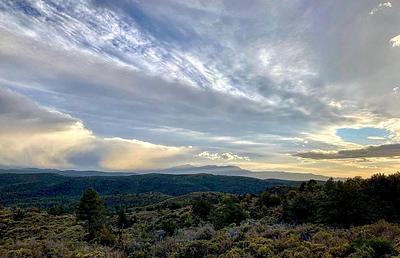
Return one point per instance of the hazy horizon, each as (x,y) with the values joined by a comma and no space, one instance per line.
(149,84)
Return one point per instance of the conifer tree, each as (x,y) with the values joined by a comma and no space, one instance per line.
(91,210)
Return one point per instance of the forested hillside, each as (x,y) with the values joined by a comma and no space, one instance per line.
(42,189)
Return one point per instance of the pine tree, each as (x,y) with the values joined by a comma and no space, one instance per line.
(91,210)
(122,220)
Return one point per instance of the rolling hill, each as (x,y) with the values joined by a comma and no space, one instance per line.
(30,188)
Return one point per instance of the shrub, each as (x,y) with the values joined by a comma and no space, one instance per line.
(235,253)
(229,213)
(363,251)
(202,209)
(18,214)
(22,252)
(105,236)
(269,200)
(380,247)
(137,254)
(56,210)
(194,249)
(169,226)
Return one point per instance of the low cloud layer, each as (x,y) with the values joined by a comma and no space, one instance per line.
(382,151)
(226,156)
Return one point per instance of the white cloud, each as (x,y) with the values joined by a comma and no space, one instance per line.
(395,41)
(380,7)
(376,138)
(225,156)
(124,154)
(33,136)
(387,4)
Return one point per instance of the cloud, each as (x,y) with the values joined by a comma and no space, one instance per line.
(217,75)
(380,7)
(83,86)
(32,135)
(20,115)
(395,41)
(396,90)
(376,138)
(389,150)
(226,156)
(123,154)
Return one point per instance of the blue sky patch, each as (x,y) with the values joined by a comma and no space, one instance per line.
(365,135)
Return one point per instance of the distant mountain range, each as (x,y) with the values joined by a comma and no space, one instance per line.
(237,171)
(180,170)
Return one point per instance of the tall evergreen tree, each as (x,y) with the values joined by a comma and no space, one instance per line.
(122,219)
(91,210)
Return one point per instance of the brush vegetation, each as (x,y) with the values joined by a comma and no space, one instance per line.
(352,218)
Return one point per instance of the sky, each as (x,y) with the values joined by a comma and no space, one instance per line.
(123,85)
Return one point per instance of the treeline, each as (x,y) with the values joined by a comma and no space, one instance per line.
(352,202)
(46,190)
(347,203)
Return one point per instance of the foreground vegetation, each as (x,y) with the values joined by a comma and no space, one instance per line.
(355,218)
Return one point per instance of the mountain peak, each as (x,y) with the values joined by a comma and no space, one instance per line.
(184,166)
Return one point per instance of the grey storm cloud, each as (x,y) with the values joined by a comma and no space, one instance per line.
(18,114)
(388,150)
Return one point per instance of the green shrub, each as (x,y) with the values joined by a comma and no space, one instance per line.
(138,254)
(21,253)
(56,210)
(105,236)
(380,247)
(229,213)
(235,253)
(197,248)
(202,209)
(169,226)
(269,200)
(18,214)
(363,251)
